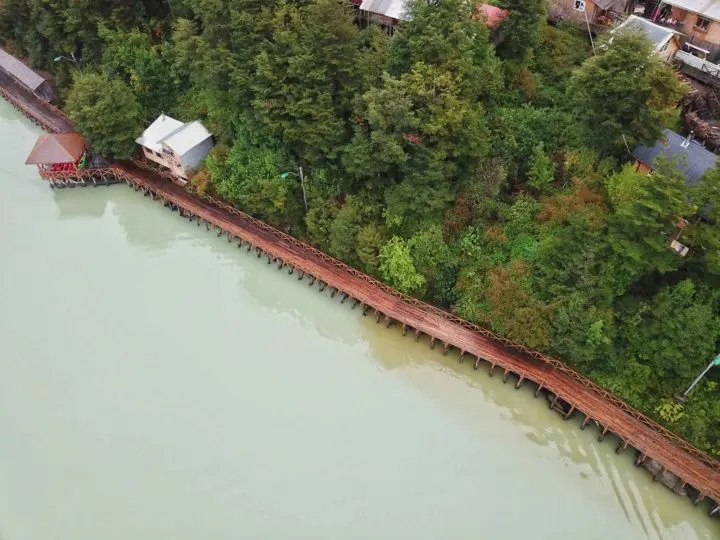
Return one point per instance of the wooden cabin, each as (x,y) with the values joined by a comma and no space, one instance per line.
(25,77)
(665,41)
(176,146)
(57,153)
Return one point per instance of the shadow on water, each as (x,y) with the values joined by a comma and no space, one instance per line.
(579,450)
(401,356)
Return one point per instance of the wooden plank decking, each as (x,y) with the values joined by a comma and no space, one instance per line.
(677,456)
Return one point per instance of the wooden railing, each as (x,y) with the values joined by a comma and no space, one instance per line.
(123,174)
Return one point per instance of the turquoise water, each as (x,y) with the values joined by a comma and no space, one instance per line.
(158,382)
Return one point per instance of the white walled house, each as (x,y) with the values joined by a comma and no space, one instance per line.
(177,146)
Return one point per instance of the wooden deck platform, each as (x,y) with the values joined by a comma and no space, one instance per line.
(676,455)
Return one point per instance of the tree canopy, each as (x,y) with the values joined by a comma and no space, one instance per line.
(492,180)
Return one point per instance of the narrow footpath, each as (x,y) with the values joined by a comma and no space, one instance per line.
(691,466)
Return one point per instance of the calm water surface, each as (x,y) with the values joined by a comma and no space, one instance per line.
(157,382)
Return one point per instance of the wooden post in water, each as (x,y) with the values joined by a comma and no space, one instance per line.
(569,413)
(585,423)
(477,362)
(639,459)
(505,375)
(417,334)
(519,383)
(622,445)
(445,348)
(602,435)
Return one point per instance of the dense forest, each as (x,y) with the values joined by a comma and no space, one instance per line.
(493,180)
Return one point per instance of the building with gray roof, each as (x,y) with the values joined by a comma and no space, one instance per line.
(689,156)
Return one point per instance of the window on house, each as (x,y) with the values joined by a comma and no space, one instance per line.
(580,5)
(702,24)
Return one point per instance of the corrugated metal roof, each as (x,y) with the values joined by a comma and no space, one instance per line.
(185,138)
(706,8)
(659,35)
(20,71)
(694,160)
(163,126)
(389,8)
(56,148)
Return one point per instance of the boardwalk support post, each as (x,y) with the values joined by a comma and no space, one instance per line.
(345,297)
(460,358)
(492,368)
(445,348)
(377,316)
(291,269)
(432,343)
(366,308)
(659,473)
(602,435)
(569,413)
(417,334)
(715,510)
(404,329)
(622,445)
(388,321)
(554,401)
(301,274)
(699,498)
(312,281)
(585,423)
(506,375)
(355,303)
(519,383)
(477,363)
(333,292)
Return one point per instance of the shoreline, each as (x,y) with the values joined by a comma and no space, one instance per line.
(571,392)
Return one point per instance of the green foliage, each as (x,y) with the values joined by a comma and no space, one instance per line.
(397,268)
(490,184)
(521,28)
(106,112)
(622,92)
(541,171)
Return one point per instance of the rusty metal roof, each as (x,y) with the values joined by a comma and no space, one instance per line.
(56,148)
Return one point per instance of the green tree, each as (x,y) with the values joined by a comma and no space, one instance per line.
(397,268)
(541,171)
(646,211)
(106,112)
(521,28)
(623,92)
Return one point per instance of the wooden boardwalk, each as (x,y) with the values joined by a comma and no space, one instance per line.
(690,465)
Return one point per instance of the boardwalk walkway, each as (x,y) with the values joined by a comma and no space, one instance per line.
(652,441)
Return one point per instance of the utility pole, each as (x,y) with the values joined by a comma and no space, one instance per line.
(71,59)
(301,176)
(715,362)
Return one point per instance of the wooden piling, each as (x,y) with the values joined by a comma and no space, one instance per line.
(388,321)
(621,446)
(506,375)
(404,329)
(477,363)
(417,334)
(519,383)
(432,343)
(377,316)
(344,297)
(585,422)
(602,435)
(461,358)
(446,345)
(492,368)
(569,413)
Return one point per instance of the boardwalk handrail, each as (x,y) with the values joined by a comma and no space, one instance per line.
(553,362)
(128,176)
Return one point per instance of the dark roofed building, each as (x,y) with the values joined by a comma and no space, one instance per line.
(690,157)
(25,76)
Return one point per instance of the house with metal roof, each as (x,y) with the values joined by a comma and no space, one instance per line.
(25,77)
(664,40)
(387,13)
(177,146)
(690,157)
(697,19)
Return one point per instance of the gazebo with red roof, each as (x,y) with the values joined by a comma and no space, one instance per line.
(58,152)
